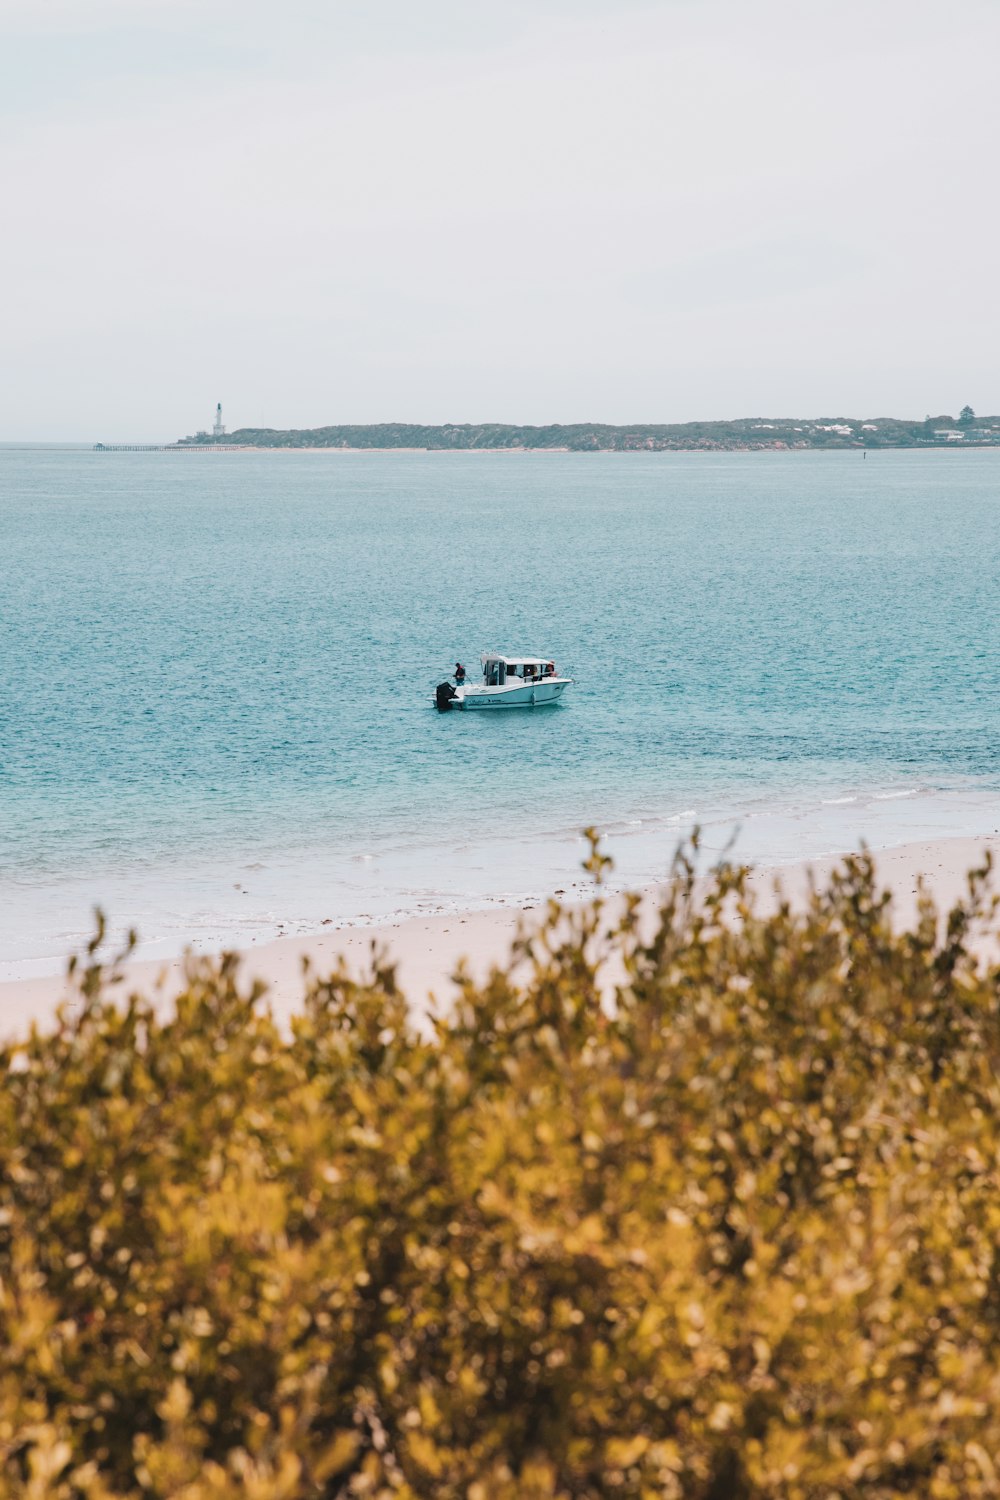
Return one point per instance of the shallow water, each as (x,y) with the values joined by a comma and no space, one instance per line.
(217,671)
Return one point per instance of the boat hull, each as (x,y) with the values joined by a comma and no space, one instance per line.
(524,695)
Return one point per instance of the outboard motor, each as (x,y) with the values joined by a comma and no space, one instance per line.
(444,696)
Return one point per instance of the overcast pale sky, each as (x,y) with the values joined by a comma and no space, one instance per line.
(514,210)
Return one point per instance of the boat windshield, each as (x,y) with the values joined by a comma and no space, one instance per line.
(499,669)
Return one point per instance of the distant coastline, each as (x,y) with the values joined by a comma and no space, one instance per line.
(743,435)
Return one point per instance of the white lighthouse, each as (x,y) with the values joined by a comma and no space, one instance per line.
(218,431)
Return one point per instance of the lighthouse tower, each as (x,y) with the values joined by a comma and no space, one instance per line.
(218,431)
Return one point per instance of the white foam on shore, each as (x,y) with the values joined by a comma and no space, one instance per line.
(238,901)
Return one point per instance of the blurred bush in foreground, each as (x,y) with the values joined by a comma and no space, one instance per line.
(734,1234)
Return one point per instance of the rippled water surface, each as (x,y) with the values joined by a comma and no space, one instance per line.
(231,657)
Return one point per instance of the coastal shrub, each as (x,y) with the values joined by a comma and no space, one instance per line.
(730,1232)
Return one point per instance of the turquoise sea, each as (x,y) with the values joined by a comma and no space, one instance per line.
(216,673)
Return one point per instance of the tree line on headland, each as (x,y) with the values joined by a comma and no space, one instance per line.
(581,437)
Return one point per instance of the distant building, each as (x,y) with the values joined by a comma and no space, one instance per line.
(218,430)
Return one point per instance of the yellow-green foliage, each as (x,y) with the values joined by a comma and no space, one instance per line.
(732,1234)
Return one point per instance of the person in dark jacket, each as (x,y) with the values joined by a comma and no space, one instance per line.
(459,673)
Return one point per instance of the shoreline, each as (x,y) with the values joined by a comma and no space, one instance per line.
(426,949)
(694,448)
(246,897)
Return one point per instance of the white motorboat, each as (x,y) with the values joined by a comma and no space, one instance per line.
(508,682)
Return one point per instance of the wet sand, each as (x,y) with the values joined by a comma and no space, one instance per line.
(427,950)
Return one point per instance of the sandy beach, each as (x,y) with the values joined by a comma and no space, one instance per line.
(427,950)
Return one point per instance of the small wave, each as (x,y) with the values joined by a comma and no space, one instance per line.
(682,817)
(894,796)
(838,801)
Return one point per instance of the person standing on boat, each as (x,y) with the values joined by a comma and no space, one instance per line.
(459,673)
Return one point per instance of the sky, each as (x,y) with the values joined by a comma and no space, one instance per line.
(531,211)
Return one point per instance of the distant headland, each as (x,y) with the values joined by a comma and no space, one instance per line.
(965,430)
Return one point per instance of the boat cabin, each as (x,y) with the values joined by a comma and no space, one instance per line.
(499,670)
